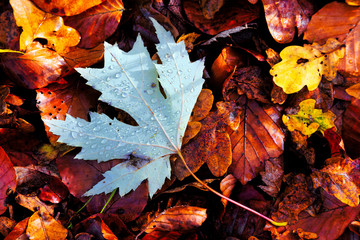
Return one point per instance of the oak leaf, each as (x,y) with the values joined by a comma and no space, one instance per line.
(97,23)
(305,66)
(283,17)
(308,119)
(38,24)
(66,7)
(340,178)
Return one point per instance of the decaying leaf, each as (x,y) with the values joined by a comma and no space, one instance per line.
(272,176)
(42,226)
(7,179)
(39,24)
(66,7)
(308,119)
(130,82)
(305,66)
(283,17)
(341,179)
(258,138)
(179,218)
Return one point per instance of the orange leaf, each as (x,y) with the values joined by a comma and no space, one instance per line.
(257,139)
(334,20)
(7,179)
(229,16)
(43,227)
(341,179)
(38,24)
(18,230)
(97,23)
(82,58)
(66,7)
(179,218)
(354,90)
(283,16)
(36,68)
(203,105)
(226,187)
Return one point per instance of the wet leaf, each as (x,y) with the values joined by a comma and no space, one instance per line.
(43,226)
(7,179)
(38,24)
(341,179)
(66,7)
(36,68)
(258,138)
(283,17)
(179,218)
(305,66)
(308,119)
(228,17)
(97,23)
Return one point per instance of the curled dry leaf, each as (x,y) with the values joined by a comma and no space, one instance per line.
(179,218)
(341,179)
(42,226)
(228,17)
(66,7)
(7,179)
(305,66)
(36,68)
(258,138)
(38,24)
(97,23)
(226,187)
(283,17)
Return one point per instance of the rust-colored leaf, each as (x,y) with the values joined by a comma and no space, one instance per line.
(42,226)
(334,20)
(354,90)
(341,179)
(350,64)
(18,230)
(226,187)
(351,129)
(179,218)
(36,68)
(7,179)
(33,203)
(82,58)
(258,138)
(38,24)
(203,105)
(228,17)
(212,144)
(272,176)
(9,33)
(97,23)
(162,235)
(66,7)
(210,7)
(283,17)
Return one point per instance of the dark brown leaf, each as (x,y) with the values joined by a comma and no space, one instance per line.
(272,176)
(351,129)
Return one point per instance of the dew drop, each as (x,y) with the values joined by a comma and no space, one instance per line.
(108,79)
(169,71)
(97,128)
(111,67)
(93,146)
(192,90)
(103,141)
(149,91)
(74,134)
(154,100)
(80,124)
(124,95)
(117,75)
(113,59)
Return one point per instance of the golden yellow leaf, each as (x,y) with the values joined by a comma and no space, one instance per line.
(308,120)
(38,24)
(354,91)
(305,66)
(44,226)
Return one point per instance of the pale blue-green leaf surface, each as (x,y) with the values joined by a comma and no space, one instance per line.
(130,81)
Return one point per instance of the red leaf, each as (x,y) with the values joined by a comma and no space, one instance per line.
(97,23)
(7,179)
(162,235)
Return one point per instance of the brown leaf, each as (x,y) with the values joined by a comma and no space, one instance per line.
(82,58)
(42,226)
(210,7)
(9,32)
(7,179)
(66,7)
(249,81)
(203,105)
(97,23)
(162,235)
(341,179)
(283,16)
(36,68)
(212,144)
(18,230)
(334,20)
(351,129)
(272,176)
(228,17)
(34,204)
(296,199)
(350,64)
(38,24)
(6,225)
(95,226)
(179,218)
(258,138)
(226,187)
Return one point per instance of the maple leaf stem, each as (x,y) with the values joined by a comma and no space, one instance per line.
(229,199)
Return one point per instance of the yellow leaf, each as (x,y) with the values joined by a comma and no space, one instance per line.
(305,66)
(308,119)
(43,226)
(38,24)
